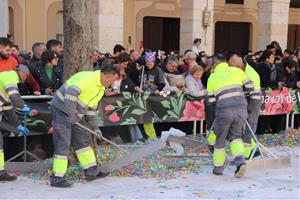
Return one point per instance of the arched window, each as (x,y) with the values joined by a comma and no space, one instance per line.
(59,26)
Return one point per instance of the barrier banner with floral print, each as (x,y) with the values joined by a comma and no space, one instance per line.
(284,101)
(137,108)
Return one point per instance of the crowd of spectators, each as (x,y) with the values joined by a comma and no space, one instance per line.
(154,71)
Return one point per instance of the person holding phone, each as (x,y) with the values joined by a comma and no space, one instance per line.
(48,75)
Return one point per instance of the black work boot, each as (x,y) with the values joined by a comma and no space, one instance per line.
(240,171)
(4,176)
(94,173)
(218,170)
(62,182)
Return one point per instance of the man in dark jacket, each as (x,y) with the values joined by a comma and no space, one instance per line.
(37,49)
(267,70)
(288,76)
(56,46)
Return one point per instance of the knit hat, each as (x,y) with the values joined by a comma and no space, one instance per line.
(23,68)
(150,56)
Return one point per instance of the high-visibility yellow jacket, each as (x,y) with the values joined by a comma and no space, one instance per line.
(226,86)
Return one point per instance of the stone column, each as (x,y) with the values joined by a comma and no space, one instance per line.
(110,24)
(191,25)
(273,20)
(3,18)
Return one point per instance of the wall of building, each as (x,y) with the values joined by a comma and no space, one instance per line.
(294,16)
(4,16)
(238,13)
(35,20)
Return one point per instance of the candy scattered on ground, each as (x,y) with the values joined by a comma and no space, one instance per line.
(289,137)
(165,168)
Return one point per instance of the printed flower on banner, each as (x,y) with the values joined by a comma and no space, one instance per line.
(278,102)
(287,102)
(194,111)
(114,117)
(109,107)
(174,106)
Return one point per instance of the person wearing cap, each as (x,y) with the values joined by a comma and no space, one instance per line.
(10,98)
(77,101)
(151,77)
(225,87)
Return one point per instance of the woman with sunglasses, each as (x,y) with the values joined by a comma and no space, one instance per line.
(48,75)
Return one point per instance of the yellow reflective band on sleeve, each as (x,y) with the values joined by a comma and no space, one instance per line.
(219,157)
(211,138)
(150,130)
(1,160)
(237,147)
(60,165)
(86,157)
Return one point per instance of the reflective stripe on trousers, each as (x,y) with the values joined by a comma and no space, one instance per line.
(60,165)
(86,157)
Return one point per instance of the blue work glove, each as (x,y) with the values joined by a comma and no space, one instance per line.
(26,110)
(23,130)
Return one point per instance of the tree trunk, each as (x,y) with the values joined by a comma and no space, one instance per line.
(77,36)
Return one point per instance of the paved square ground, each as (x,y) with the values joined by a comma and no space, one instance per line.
(263,184)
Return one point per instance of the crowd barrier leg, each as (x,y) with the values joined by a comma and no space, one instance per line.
(287,121)
(201,127)
(195,129)
(293,121)
(25,152)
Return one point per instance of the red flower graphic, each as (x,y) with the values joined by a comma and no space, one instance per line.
(193,111)
(50,130)
(279,102)
(109,107)
(114,117)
